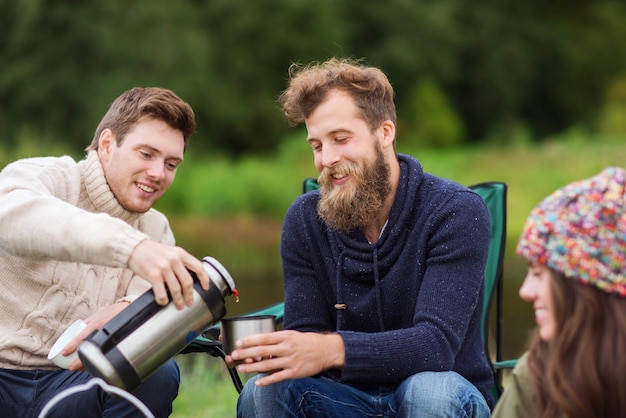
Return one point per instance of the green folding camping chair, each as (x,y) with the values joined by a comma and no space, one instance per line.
(494,195)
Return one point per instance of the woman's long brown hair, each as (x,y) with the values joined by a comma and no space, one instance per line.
(582,372)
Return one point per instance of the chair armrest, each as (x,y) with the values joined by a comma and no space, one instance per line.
(504,364)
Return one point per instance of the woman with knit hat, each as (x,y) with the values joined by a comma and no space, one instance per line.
(575,245)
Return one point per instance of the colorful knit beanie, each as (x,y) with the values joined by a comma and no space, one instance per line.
(580,231)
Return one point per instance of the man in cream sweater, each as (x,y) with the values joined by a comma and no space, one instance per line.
(80,240)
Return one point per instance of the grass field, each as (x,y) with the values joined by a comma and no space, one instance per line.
(206,389)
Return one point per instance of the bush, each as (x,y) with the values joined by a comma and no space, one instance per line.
(430,120)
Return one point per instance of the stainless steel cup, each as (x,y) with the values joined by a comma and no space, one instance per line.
(238,327)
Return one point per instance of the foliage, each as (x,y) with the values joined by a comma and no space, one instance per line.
(611,121)
(220,185)
(432,122)
(69,60)
(498,64)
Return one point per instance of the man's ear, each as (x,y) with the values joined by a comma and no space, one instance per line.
(105,144)
(388,130)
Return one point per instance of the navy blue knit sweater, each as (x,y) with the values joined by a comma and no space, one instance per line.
(413,299)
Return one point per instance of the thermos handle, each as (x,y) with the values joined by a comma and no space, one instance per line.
(135,314)
(121,325)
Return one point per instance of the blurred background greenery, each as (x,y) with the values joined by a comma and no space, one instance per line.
(464,72)
(532,93)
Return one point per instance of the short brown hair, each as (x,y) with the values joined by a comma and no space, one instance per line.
(309,86)
(146,103)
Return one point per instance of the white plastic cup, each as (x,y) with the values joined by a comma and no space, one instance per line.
(68,335)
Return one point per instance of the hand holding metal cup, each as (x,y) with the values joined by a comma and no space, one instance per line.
(235,328)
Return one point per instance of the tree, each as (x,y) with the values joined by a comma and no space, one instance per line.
(496,63)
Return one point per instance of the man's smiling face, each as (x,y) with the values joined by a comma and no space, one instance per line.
(354,176)
(143,167)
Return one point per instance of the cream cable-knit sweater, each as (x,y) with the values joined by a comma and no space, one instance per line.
(65,242)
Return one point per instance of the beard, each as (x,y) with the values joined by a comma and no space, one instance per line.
(352,207)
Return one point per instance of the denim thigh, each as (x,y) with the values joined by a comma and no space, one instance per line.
(426,394)
(307,397)
(24,394)
(439,394)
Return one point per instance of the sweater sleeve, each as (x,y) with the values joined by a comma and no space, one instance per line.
(38,218)
(148,223)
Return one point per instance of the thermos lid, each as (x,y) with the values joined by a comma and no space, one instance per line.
(215,265)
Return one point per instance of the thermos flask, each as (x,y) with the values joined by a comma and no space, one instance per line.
(145,335)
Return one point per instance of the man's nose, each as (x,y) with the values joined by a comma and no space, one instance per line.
(330,157)
(156,169)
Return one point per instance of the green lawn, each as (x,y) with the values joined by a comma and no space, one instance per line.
(205,390)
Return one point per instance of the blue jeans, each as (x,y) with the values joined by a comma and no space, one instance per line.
(426,394)
(24,393)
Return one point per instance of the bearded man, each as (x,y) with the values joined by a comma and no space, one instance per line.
(383,271)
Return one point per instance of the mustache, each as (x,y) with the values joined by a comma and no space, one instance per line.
(326,176)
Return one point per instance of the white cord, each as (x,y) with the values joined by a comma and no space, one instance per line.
(108,388)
